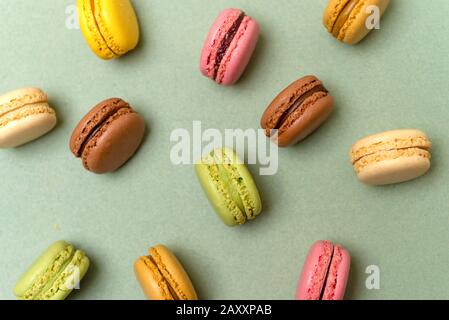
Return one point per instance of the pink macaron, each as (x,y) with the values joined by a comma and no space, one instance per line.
(229,47)
(325,273)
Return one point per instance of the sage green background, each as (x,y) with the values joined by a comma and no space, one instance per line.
(396,78)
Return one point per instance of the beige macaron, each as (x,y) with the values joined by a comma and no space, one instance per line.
(162,276)
(351,20)
(391,157)
(24,116)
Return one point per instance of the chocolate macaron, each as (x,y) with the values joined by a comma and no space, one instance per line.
(297,111)
(107,136)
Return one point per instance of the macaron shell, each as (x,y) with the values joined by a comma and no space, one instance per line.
(394,139)
(317,112)
(117,22)
(32,124)
(331,13)
(314,272)
(73,273)
(215,197)
(395,170)
(21,97)
(285,97)
(338,275)
(354,30)
(151,280)
(247,178)
(90,31)
(239,53)
(314,116)
(114,144)
(96,116)
(216,34)
(173,272)
(222,202)
(39,266)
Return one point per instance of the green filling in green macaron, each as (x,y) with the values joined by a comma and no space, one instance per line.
(54,274)
(72,273)
(243,199)
(230,195)
(229,186)
(50,274)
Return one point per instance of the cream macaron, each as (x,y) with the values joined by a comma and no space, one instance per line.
(24,116)
(391,157)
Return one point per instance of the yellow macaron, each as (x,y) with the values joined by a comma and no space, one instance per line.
(351,20)
(110,27)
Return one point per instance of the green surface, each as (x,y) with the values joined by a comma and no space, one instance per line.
(396,78)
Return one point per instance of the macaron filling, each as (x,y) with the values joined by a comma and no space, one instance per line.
(22,99)
(166,281)
(343,16)
(325,277)
(298,103)
(332,279)
(392,144)
(65,277)
(231,198)
(295,107)
(232,186)
(390,149)
(226,43)
(316,288)
(393,154)
(50,274)
(239,191)
(93,9)
(30,110)
(100,126)
(162,284)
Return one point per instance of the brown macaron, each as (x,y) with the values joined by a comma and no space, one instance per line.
(297,111)
(107,136)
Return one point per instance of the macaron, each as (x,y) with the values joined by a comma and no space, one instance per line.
(108,136)
(229,187)
(325,273)
(391,157)
(162,276)
(110,27)
(24,116)
(348,20)
(229,47)
(54,274)
(297,111)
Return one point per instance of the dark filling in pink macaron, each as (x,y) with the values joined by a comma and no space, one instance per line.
(226,43)
(330,281)
(297,104)
(326,277)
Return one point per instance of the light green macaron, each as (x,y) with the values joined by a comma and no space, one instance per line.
(54,274)
(229,186)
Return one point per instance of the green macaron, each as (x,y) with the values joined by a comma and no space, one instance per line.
(54,274)
(229,186)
